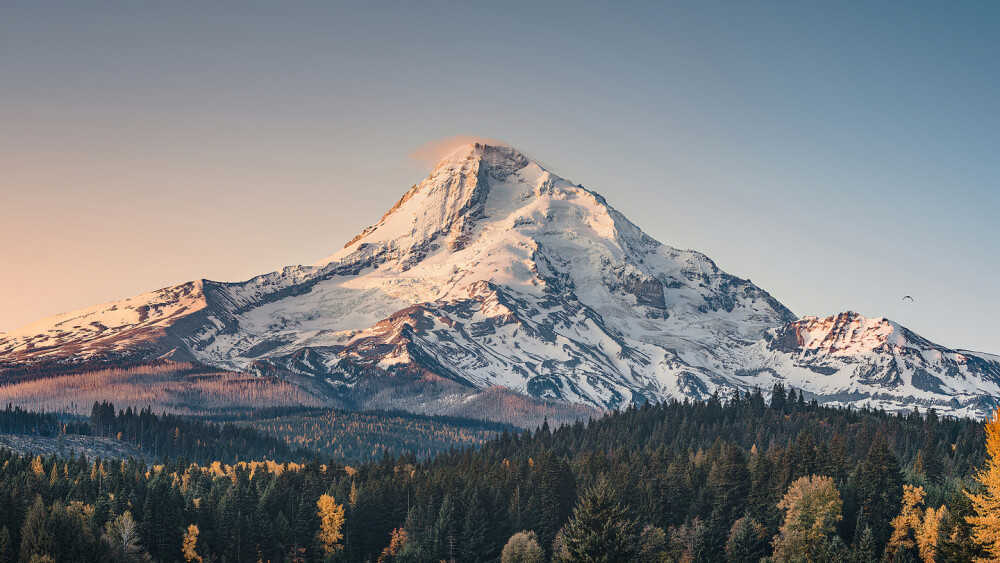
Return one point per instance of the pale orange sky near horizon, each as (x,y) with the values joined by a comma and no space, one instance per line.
(148,145)
(83,229)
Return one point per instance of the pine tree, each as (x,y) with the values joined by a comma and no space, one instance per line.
(6,546)
(929,462)
(652,545)
(803,455)
(833,550)
(728,486)
(600,529)
(779,401)
(747,542)
(162,519)
(957,544)
(865,549)
(36,539)
(879,489)
(445,528)
(477,544)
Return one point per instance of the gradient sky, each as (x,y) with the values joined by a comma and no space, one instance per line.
(840,156)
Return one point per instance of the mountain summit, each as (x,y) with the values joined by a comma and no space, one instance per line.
(495,272)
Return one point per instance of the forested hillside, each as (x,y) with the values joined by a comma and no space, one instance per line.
(351,436)
(146,434)
(732,480)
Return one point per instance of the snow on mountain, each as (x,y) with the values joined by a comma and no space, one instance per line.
(494,271)
(851,359)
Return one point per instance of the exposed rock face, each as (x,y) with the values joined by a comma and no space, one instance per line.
(495,272)
(647,291)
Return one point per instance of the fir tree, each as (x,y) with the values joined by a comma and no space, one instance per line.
(36,539)
(779,401)
(556,492)
(865,549)
(747,542)
(600,529)
(879,489)
(6,546)
(161,519)
(477,534)
(652,545)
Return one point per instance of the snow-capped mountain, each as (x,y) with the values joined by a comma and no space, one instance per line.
(851,359)
(494,271)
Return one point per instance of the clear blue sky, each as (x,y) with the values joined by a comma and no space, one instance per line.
(840,156)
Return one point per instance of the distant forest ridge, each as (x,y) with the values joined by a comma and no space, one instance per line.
(345,436)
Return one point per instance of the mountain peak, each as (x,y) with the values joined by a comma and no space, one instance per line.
(443,208)
(495,271)
(498,160)
(490,161)
(844,333)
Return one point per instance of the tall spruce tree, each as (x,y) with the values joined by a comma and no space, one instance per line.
(36,538)
(747,541)
(600,529)
(879,487)
(557,491)
(779,401)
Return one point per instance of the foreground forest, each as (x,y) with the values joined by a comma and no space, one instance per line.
(739,479)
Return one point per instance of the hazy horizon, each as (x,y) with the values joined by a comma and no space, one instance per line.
(839,162)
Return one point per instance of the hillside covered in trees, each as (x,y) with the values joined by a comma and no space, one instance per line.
(736,480)
(351,436)
(148,435)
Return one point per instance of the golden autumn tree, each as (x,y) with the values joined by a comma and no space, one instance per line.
(986,522)
(331,521)
(930,533)
(916,528)
(190,544)
(396,544)
(812,509)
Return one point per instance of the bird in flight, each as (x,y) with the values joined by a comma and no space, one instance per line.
(905,297)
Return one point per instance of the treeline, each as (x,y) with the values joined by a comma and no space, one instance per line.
(69,509)
(735,480)
(15,420)
(351,436)
(177,437)
(691,472)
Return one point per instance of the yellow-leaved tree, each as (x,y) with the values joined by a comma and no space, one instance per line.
(190,544)
(916,528)
(812,509)
(986,522)
(396,544)
(331,521)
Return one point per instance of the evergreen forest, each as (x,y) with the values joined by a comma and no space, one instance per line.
(738,478)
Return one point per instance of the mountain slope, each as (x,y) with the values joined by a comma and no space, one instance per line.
(492,271)
(848,358)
